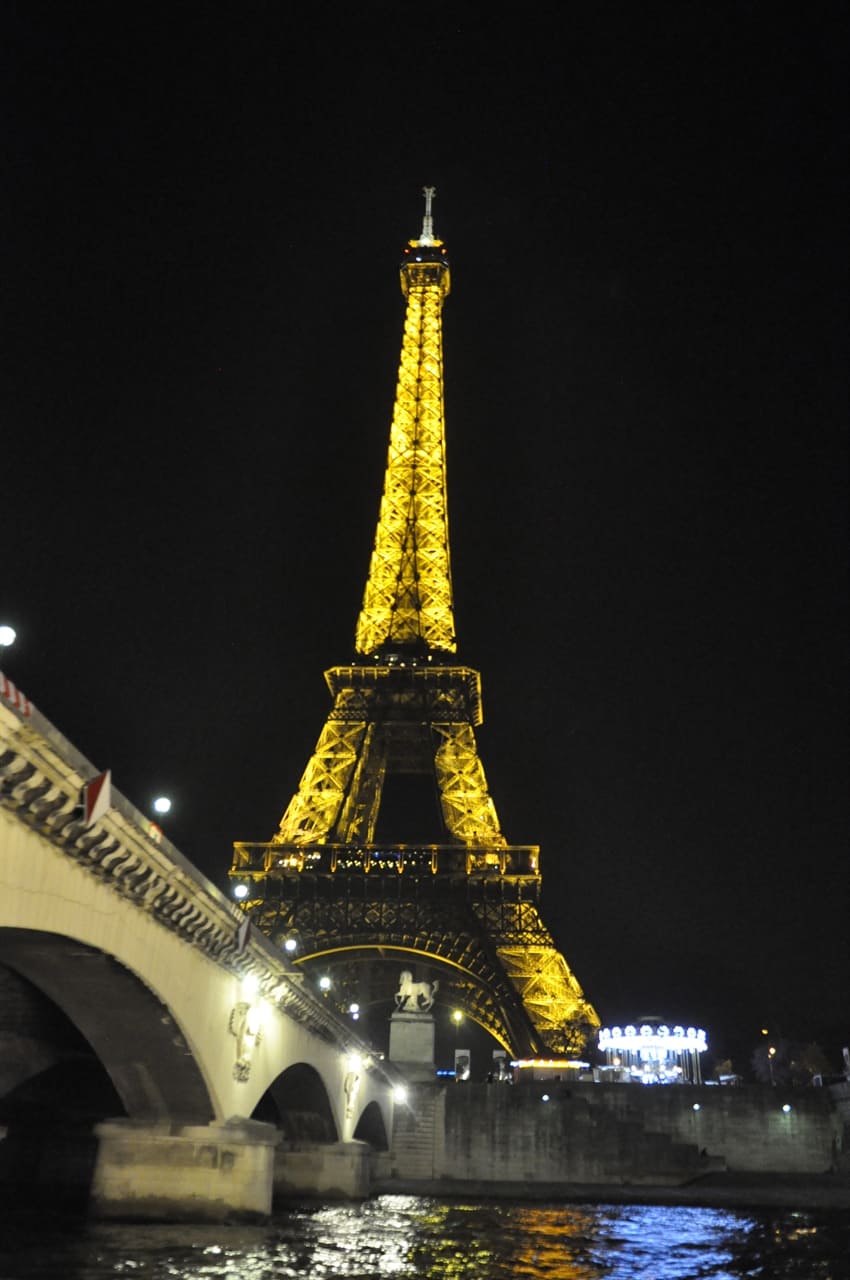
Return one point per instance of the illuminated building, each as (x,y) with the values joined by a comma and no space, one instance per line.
(461,903)
(654,1053)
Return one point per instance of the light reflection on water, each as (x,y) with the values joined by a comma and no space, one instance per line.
(401,1237)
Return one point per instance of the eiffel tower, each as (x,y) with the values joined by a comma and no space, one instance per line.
(390,854)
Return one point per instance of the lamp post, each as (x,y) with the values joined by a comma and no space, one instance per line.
(457,1019)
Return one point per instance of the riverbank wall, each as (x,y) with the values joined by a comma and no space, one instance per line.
(677,1144)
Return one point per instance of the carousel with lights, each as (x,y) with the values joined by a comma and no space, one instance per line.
(653,1053)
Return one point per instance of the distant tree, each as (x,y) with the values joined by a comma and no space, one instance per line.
(809,1060)
(771,1062)
(784,1062)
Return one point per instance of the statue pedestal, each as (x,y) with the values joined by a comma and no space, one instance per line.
(412,1044)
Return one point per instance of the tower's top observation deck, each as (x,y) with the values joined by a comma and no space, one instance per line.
(425,261)
(407,603)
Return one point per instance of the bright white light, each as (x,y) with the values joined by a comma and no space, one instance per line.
(647,1037)
(399,1094)
(162,804)
(354,1008)
(256,1018)
(290,945)
(551,1063)
(250,985)
(7,636)
(696,1106)
(354,1062)
(786,1107)
(325,982)
(457,1016)
(240,891)
(544,1097)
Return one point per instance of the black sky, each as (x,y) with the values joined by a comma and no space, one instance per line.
(646,353)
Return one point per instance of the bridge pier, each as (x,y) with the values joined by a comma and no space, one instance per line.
(187,1173)
(334,1171)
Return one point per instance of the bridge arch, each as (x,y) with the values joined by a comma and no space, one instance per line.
(173,998)
(189,1017)
(371,1128)
(297,1103)
(130,1030)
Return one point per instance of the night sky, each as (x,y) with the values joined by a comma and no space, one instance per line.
(646,401)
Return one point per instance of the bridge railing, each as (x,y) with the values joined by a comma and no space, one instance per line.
(41,778)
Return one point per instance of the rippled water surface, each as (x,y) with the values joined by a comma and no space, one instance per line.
(406,1236)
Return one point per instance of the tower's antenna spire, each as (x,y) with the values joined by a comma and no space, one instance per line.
(427,236)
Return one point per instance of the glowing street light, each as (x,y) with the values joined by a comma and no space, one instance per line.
(162,804)
(240,891)
(7,636)
(457,1019)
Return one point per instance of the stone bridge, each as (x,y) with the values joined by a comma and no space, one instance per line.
(144,1030)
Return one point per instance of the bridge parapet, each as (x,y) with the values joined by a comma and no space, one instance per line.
(41,778)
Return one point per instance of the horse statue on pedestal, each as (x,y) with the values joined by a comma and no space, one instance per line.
(414,997)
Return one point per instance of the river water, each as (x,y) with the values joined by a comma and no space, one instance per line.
(410,1236)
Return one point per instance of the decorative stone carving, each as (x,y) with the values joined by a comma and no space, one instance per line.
(351,1085)
(245,1025)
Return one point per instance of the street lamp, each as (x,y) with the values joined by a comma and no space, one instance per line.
(7,637)
(457,1019)
(162,804)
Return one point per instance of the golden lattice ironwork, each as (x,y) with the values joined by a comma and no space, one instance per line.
(408,596)
(462,902)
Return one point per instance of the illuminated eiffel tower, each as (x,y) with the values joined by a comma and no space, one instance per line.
(352,879)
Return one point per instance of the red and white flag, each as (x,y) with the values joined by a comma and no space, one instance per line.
(13,695)
(97,798)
